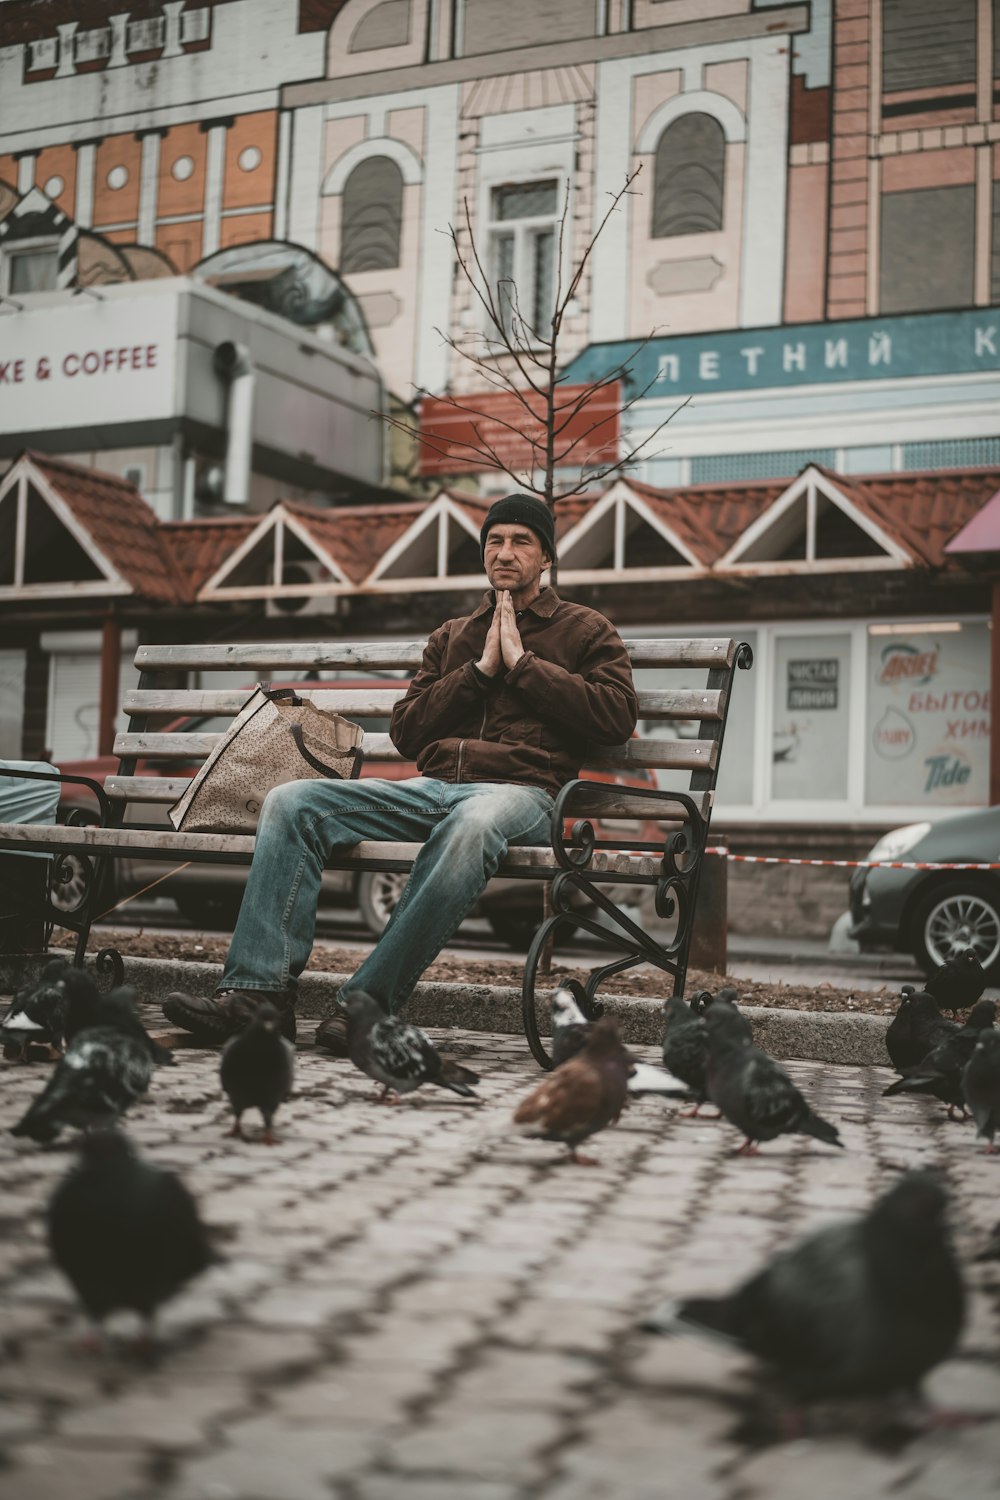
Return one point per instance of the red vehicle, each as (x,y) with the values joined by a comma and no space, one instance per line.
(210,895)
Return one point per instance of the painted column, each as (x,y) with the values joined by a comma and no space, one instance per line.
(762,273)
(281,175)
(172,29)
(148,182)
(26,172)
(612,158)
(306,176)
(856,68)
(83,211)
(215,162)
(437,208)
(119,40)
(67,60)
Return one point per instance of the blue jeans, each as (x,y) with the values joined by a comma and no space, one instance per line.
(466,830)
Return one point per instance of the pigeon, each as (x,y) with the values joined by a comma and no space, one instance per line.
(126,1234)
(685,1046)
(959,982)
(861,1308)
(582,1096)
(399,1057)
(571,1031)
(752,1091)
(916,1028)
(257,1070)
(981,1087)
(106,1068)
(42,1010)
(570,1027)
(940,1073)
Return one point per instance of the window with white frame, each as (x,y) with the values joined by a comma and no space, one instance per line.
(522,240)
(29,266)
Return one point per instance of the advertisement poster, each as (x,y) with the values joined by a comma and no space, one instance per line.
(928,716)
(811,713)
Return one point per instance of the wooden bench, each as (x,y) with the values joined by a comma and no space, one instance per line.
(577,860)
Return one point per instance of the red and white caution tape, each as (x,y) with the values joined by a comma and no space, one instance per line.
(847,864)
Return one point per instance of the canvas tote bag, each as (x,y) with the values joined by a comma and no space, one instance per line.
(276,737)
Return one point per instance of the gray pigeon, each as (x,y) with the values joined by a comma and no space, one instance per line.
(399,1057)
(940,1073)
(724,1012)
(862,1308)
(570,1027)
(981,1086)
(106,1068)
(916,1028)
(958,982)
(257,1070)
(753,1092)
(125,1233)
(45,1011)
(685,1046)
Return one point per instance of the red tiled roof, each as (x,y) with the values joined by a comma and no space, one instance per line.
(921,512)
(199,548)
(125,529)
(357,536)
(709,518)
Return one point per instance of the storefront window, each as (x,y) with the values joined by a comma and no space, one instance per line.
(928,715)
(810,748)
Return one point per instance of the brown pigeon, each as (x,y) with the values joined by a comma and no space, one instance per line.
(583,1095)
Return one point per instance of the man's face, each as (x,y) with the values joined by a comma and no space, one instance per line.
(514,558)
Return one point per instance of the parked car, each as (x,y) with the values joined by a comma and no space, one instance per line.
(209,894)
(933,913)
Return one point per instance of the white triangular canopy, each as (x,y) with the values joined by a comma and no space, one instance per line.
(621,532)
(280,559)
(813,525)
(441,545)
(45,552)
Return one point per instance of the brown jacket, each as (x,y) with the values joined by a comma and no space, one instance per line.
(573,686)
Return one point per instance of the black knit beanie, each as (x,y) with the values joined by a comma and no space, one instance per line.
(521,510)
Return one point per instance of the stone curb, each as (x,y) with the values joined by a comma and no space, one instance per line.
(817,1036)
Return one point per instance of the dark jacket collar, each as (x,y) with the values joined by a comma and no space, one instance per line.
(545,605)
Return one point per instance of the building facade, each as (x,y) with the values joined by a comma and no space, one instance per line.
(809,260)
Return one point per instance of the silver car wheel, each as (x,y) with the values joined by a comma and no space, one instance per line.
(378,896)
(959,922)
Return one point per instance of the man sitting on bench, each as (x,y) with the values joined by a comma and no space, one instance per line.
(497,718)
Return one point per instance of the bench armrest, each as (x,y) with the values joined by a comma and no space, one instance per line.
(577,852)
(103,801)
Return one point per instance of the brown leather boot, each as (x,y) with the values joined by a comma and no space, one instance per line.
(213,1019)
(331,1033)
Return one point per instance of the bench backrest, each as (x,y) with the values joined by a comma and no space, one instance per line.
(154,703)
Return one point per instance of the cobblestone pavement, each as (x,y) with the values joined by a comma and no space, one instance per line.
(418,1306)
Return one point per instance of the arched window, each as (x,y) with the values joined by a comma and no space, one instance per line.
(689,177)
(372,216)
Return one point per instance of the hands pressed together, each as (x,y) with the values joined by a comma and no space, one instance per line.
(503,640)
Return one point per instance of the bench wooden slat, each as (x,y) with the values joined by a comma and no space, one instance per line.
(167,789)
(654,703)
(394,655)
(164,844)
(653,752)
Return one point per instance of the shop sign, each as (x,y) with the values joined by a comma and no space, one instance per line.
(813,684)
(929,718)
(916,344)
(454,439)
(87,363)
